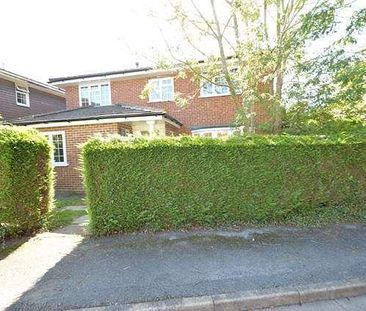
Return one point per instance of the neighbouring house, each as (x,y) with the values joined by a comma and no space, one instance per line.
(110,103)
(21,96)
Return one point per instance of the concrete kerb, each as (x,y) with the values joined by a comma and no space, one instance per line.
(250,300)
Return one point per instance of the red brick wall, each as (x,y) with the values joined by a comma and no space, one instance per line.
(68,178)
(218,110)
(72,96)
(171,130)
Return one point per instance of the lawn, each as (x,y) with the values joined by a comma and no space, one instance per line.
(74,200)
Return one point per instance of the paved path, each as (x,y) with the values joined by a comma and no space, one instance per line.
(346,304)
(135,268)
(21,270)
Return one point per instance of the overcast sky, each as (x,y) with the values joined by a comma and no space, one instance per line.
(50,38)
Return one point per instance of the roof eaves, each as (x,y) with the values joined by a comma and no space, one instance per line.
(9,74)
(99,74)
(97,117)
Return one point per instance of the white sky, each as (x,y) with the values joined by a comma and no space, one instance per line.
(50,38)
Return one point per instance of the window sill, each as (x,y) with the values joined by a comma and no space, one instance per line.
(60,164)
(25,106)
(216,95)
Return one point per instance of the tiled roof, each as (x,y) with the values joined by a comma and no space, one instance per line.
(93,113)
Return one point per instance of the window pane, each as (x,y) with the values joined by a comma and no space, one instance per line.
(95,95)
(21,98)
(221,88)
(104,89)
(154,90)
(207,89)
(166,81)
(167,92)
(84,95)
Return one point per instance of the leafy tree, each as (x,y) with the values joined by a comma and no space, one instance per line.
(328,93)
(254,46)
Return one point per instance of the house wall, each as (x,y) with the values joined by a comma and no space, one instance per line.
(69,178)
(40,102)
(201,111)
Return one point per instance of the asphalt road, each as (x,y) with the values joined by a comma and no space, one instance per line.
(136,268)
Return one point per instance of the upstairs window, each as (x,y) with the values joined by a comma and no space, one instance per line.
(95,95)
(161,89)
(57,139)
(218,87)
(22,96)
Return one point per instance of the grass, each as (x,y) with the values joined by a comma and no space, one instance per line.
(74,200)
(61,218)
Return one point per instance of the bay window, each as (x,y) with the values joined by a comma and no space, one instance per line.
(214,132)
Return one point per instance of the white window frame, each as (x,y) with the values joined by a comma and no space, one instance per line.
(99,84)
(24,91)
(214,85)
(161,99)
(213,130)
(50,140)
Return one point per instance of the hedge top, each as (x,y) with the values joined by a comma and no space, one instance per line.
(12,134)
(98,143)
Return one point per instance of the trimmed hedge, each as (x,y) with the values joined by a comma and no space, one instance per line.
(186,182)
(26,180)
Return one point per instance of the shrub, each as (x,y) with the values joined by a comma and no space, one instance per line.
(186,182)
(26,180)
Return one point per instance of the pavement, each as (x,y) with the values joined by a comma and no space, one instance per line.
(344,304)
(68,270)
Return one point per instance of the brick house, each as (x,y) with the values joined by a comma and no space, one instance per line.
(110,103)
(21,96)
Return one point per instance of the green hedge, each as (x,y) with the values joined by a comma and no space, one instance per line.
(187,182)
(26,180)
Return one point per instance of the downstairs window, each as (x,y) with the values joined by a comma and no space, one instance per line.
(57,139)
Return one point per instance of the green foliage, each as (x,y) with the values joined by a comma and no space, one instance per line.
(328,92)
(331,96)
(74,200)
(187,182)
(26,180)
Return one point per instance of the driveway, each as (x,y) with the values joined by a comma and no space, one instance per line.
(87,272)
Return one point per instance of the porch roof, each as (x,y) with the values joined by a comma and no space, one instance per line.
(94,113)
